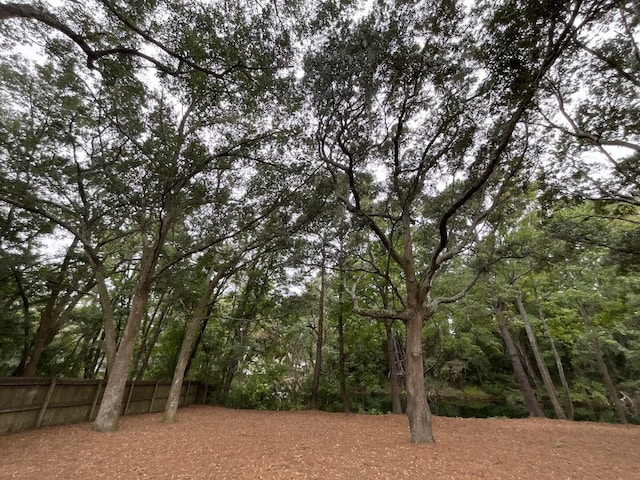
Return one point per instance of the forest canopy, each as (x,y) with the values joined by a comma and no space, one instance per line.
(347,205)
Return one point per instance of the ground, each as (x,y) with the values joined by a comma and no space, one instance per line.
(217,443)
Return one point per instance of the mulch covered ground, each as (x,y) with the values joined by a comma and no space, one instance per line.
(217,443)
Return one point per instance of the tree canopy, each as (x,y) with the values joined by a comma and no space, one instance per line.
(356,204)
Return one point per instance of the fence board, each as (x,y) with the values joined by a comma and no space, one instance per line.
(27,403)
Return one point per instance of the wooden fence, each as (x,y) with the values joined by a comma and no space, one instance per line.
(37,402)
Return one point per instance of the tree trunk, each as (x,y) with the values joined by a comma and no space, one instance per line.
(110,336)
(529,396)
(614,395)
(49,315)
(186,349)
(237,349)
(526,364)
(109,411)
(151,331)
(26,326)
(342,357)
(202,330)
(542,366)
(394,373)
(558,360)
(107,418)
(417,406)
(317,368)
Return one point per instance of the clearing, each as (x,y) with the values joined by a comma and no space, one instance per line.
(216,443)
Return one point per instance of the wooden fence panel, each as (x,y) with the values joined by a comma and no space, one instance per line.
(34,402)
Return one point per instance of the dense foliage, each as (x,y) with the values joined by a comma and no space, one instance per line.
(260,194)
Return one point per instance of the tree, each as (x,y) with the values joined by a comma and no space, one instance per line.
(529,396)
(61,300)
(171,160)
(256,234)
(320,326)
(419,145)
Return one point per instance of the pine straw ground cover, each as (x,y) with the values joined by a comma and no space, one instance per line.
(217,443)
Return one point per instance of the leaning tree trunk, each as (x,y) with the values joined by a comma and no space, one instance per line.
(109,411)
(542,366)
(529,396)
(394,374)
(110,335)
(107,418)
(614,395)
(558,360)
(417,406)
(186,349)
(49,316)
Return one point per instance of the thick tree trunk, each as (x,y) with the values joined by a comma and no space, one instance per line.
(529,396)
(614,394)
(45,331)
(558,360)
(417,406)
(542,366)
(394,374)
(109,411)
(107,418)
(49,329)
(317,367)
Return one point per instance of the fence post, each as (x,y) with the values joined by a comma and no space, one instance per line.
(95,400)
(46,402)
(186,395)
(126,406)
(153,397)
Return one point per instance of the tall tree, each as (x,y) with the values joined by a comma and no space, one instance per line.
(537,354)
(420,145)
(320,326)
(529,396)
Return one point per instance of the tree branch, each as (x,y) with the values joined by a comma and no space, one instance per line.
(378,313)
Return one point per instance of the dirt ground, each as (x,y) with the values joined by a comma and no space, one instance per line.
(217,443)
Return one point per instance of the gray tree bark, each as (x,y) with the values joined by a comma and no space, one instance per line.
(186,349)
(394,374)
(528,395)
(542,366)
(418,409)
(612,391)
(317,368)
(558,360)
(109,411)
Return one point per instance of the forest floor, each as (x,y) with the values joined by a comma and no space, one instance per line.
(217,443)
